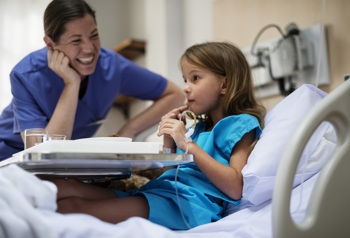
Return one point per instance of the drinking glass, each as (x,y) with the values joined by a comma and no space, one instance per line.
(34,136)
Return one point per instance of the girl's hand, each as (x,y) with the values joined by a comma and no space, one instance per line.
(172,128)
(175,113)
(59,63)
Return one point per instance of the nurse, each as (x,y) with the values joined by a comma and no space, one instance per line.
(70,85)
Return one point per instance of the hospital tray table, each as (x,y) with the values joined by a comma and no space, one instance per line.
(96,166)
(99,160)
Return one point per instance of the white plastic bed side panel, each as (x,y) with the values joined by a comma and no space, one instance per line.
(328,213)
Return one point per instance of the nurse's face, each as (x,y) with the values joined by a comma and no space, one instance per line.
(81,44)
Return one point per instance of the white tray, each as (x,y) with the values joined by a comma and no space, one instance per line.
(95,145)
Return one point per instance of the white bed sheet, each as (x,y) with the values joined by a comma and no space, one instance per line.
(45,222)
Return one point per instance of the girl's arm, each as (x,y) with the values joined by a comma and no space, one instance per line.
(228,179)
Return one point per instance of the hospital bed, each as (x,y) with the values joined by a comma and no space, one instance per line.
(295,183)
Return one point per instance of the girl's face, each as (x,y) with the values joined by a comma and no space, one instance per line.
(81,44)
(204,90)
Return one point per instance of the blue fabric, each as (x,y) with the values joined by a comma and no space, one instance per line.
(200,201)
(36,90)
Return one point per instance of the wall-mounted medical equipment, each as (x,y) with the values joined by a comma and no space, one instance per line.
(281,65)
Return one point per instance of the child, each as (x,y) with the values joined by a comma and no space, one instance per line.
(218,87)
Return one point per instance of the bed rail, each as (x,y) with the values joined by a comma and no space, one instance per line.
(328,211)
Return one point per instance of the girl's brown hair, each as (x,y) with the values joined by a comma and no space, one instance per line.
(226,60)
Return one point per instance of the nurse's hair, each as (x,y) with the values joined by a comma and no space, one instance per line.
(59,12)
(227,61)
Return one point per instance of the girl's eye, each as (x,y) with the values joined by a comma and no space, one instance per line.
(195,78)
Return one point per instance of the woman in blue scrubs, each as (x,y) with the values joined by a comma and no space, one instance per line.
(70,85)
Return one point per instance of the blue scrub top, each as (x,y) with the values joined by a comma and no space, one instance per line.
(36,90)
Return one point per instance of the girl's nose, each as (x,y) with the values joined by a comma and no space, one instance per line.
(187,88)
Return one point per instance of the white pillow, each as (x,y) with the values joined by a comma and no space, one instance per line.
(260,172)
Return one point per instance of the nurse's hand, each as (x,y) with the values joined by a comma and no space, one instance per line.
(59,63)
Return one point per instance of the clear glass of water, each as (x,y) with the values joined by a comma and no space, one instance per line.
(34,136)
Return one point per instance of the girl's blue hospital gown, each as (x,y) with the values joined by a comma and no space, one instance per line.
(200,201)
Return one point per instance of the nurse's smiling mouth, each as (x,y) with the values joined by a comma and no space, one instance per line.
(86,60)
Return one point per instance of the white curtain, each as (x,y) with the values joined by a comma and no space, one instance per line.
(21,31)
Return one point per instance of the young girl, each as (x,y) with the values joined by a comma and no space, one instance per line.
(219,91)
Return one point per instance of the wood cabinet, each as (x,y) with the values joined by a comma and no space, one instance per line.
(130,49)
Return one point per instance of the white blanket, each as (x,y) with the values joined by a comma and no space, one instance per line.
(22,195)
(28,210)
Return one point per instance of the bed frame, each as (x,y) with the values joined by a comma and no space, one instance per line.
(328,212)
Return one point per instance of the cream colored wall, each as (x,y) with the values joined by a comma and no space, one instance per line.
(240,20)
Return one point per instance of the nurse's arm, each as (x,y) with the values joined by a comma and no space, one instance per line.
(172,97)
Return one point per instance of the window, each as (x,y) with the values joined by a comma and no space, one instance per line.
(21,31)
